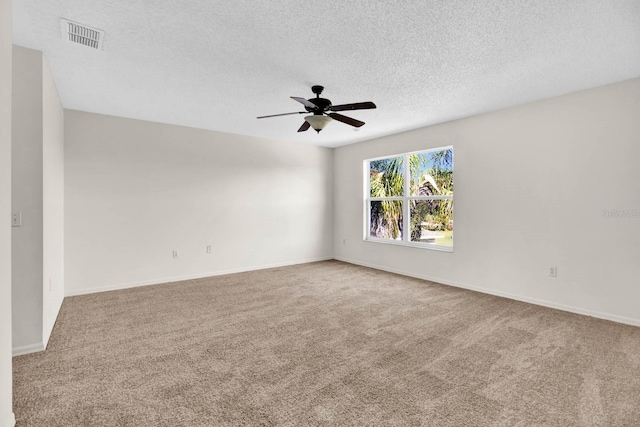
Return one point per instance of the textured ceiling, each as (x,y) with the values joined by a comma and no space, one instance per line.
(219,64)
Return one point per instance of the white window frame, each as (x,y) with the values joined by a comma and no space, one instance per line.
(405,199)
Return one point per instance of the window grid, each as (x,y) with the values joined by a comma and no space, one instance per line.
(406,200)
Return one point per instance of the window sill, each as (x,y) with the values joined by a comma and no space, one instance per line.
(430,246)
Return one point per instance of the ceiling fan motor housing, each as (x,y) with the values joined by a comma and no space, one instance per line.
(322,103)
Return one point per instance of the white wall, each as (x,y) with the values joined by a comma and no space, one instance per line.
(52,202)
(7,418)
(531,184)
(37,192)
(27,198)
(135,191)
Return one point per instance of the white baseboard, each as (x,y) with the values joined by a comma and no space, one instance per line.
(28,349)
(543,303)
(8,420)
(158,281)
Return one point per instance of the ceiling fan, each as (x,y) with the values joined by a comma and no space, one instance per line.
(323,111)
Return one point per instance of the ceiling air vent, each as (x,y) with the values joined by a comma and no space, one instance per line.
(82,34)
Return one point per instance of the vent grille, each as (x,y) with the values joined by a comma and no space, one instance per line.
(82,34)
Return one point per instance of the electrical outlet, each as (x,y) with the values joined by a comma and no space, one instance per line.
(175,253)
(553,271)
(208,249)
(16,219)
(344,241)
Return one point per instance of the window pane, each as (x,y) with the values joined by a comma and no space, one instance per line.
(432,221)
(431,173)
(386,220)
(386,177)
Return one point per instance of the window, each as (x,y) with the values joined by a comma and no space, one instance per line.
(414,190)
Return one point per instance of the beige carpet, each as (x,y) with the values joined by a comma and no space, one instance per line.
(325,344)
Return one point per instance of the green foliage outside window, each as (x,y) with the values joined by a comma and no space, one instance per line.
(429,196)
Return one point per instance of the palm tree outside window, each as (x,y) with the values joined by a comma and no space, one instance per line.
(411,205)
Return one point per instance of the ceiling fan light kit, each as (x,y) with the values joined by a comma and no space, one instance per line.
(323,111)
(318,122)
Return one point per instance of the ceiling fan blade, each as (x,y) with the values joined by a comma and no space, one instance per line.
(283,114)
(304,126)
(355,106)
(345,119)
(305,102)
